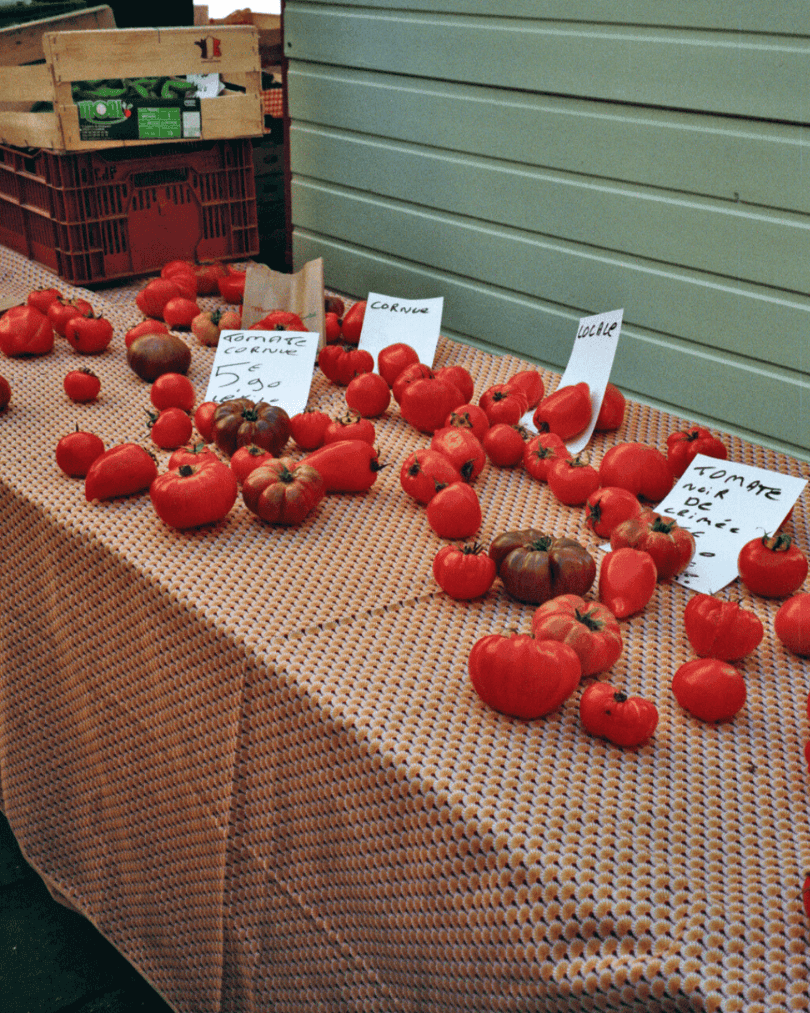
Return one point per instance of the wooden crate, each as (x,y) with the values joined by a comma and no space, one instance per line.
(108,52)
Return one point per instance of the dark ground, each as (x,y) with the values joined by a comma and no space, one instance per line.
(53,960)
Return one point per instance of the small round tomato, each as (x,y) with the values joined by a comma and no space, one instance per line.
(503,403)
(392,359)
(462,449)
(172,390)
(566,412)
(352,323)
(197,453)
(350,427)
(683,448)
(155,294)
(425,472)
(170,428)
(61,310)
(463,572)
(369,395)
(469,416)
(194,494)
(540,452)
(572,480)
(145,327)
(81,385)
(455,512)
(624,720)
(606,508)
(611,412)
(772,566)
(204,420)
(88,335)
(334,304)
(180,312)
(504,445)
(5,393)
(710,689)
(792,625)
(589,628)
(341,363)
(308,427)
(248,458)
(41,298)
(77,451)
(721,629)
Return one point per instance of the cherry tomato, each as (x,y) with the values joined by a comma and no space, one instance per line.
(462,448)
(77,451)
(172,390)
(369,395)
(392,359)
(25,331)
(308,427)
(721,629)
(572,480)
(170,428)
(792,625)
(350,427)
(455,512)
(605,508)
(204,420)
(88,335)
(710,689)
(425,472)
(683,448)
(566,412)
(463,572)
(772,566)
(123,470)
(639,468)
(611,411)
(41,298)
(627,580)
(81,385)
(352,323)
(611,714)
(179,312)
(248,458)
(540,452)
(194,494)
(590,628)
(503,403)
(504,445)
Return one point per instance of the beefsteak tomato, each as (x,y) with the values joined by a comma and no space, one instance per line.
(535,567)
(194,494)
(721,629)
(589,628)
(670,545)
(283,492)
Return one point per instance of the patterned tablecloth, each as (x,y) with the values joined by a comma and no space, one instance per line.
(253,757)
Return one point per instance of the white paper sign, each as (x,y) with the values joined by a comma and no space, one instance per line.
(271,366)
(415,322)
(591,361)
(725,504)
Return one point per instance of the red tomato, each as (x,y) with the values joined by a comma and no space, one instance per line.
(605,508)
(424,472)
(772,566)
(194,494)
(589,628)
(153,297)
(89,335)
(248,458)
(77,451)
(207,277)
(198,453)
(806,891)
(792,625)
(279,320)
(282,493)
(180,312)
(502,403)
(504,445)
(308,427)
(611,412)
(204,420)
(232,286)
(639,468)
(331,326)
(345,466)
(5,393)
(25,331)
(352,323)
(469,416)
(459,377)
(184,267)
(172,390)
(572,480)
(122,470)
(566,412)
(393,359)
(341,363)
(670,545)
(627,580)
(144,327)
(334,304)
(454,512)
(170,428)
(426,403)
(416,371)
(61,310)
(530,383)
(41,298)
(350,427)
(209,325)
(540,452)
(462,449)
(520,677)
(710,689)
(683,447)
(721,629)
(624,720)
(463,572)
(369,395)
(82,385)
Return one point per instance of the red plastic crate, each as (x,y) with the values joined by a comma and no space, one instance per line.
(120,212)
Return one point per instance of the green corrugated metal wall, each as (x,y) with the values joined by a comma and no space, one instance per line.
(543,161)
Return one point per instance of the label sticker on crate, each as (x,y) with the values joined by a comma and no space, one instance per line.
(271,366)
(154,108)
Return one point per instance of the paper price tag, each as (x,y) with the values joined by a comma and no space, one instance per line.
(725,504)
(415,322)
(271,366)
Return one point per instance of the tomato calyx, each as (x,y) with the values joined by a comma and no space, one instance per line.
(620,697)
(780,542)
(587,618)
(539,544)
(472,549)
(185,470)
(659,524)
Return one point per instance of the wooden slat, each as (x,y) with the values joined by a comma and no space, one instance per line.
(23,43)
(726,72)
(686,152)
(763,247)
(31,130)
(723,317)
(696,384)
(25,84)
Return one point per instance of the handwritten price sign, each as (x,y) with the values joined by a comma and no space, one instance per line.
(725,504)
(271,366)
(388,321)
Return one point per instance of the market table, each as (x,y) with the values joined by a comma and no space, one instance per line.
(252,756)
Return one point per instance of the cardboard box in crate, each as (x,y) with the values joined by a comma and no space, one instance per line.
(94,216)
(37,103)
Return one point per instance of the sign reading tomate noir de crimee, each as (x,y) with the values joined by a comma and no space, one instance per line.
(271,366)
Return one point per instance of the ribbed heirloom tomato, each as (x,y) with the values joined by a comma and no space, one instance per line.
(589,628)
(721,629)
(281,492)
(670,545)
(683,448)
(25,331)
(535,567)
(194,494)
(463,572)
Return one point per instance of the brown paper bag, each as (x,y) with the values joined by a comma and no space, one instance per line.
(301,293)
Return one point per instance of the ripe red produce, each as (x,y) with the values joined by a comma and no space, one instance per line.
(670,545)
(350,426)
(308,428)
(683,447)
(41,298)
(502,403)
(463,572)
(606,508)
(331,326)
(154,296)
(352,323)
(341,363)
(540,452)
(279,320)
(416,371)
(572,480)
(469,416)
(89,335)
(197,453)
(792,625)
(426,403)
(241,421)
(5,393)
(209,325)
(590,628)
(172,390)
(194,494)
(25,331)
(180,312)
(639,468)
(61,310)
(346,466)
(566,412)
(81,385)
(232,286)
(462,448)
(424,472)
(504,445)
(611,411)
(627,721)
(535,567)
(455,512)
(772,566)
(207,277)
(369,395)
(459,377)
(710,689)
(530,383)
(721,629)
(204,420)
(246,459)
(144,327)
(122,470)
(77,451)
(627,579)
(392,359)
(282,492)
(170,428)
(520,677)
